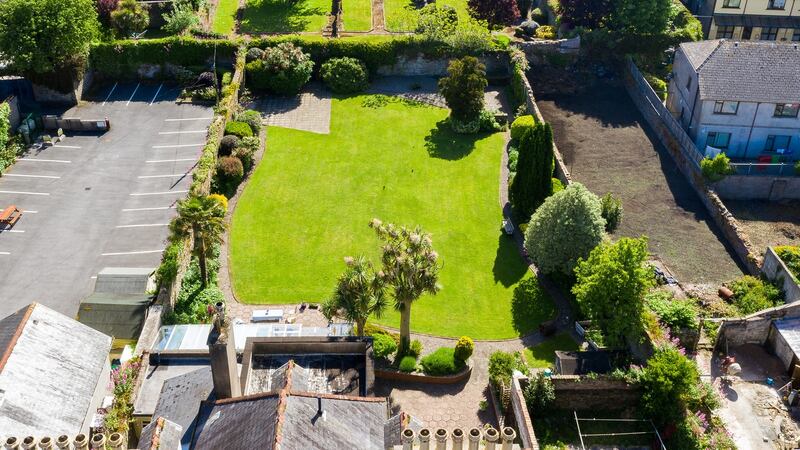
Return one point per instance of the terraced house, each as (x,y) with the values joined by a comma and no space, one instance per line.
(765,20)
(742,98)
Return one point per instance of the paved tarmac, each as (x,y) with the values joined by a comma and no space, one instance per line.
(98,200)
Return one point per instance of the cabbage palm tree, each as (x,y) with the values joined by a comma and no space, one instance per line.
(203,219)
(410,266)
(360,293)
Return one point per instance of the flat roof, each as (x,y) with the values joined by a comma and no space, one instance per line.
(790,330)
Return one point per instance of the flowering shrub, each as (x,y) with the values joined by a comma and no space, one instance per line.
(123,380)
(283,69)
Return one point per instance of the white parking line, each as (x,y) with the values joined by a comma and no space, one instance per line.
(63,161)
(154,208)
(109,94)
(134,93)
(188,119)
(5,253)
(155,96)
(93,277)
(169,160)
(29,176)
(143,225)
(3,230)
(27,211)
(172,175)
(65,146)
(24,193)
(183,132)
(180,145)
(132,253)
(155,193)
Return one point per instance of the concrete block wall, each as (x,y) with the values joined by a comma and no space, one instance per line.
(758,187)
(776,270)
(755,328)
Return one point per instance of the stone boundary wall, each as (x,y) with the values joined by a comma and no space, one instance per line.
(775,269)
(525,429)
(496,63)
(754,329)
(580,393)
(655,113)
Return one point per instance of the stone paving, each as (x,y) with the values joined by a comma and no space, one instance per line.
(309,111)
(425,89)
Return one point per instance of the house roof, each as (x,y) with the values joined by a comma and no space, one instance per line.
(161,434)
(747,71)
(582,363)
(50,367)
(181,398)
(790,330)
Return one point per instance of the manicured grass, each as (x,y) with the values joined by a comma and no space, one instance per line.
(357,15)
(281,16)
(401,15)
(309,202)
(541,356)
(225,16)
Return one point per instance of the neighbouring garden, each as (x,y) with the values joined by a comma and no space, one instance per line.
(278,16)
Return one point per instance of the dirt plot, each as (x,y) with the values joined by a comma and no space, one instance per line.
(768,224)
(608,147)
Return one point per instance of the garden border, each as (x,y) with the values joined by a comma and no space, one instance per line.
(394,375)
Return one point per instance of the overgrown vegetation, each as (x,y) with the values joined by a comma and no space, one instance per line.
(283,69)
(123,379)
(345,75)
(672,312)
(791,257)
(611,211)
(751,294)
(715,169)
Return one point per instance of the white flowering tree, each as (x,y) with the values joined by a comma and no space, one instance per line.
(410,267)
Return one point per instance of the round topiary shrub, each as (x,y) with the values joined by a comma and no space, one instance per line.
(520,125)
(254,53)
(227,144)
(252,118)
(230,169)
(345,75)
(221,199)
(239,129)
(383,345)
(283,69)
(441,362)
(408,364)
(464,348)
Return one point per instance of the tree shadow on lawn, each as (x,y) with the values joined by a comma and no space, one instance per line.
(509,266)
(530,306)
(278,16)
(444,143)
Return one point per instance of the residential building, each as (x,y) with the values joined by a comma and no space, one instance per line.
(765,20)
(54,373)
(742,98)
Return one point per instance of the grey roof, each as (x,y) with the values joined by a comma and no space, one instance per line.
(157,376)
(168,435)
(124,280)
(748,71)
(181,397)
(292,420)
(790,330)
(49,372)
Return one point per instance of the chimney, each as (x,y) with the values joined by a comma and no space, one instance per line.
(46,443)
(222,351)
(491,436)
(441,439)
(508,437)
(29,443)
(81,442)
(408,439)
(12,443)
(99,441)
(117,442)
(63,442)
(424,439)
(474,437)
(458,438)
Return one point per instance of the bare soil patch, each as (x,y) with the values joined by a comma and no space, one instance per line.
(768,224)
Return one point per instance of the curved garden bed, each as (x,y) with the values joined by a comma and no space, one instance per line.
(415,377)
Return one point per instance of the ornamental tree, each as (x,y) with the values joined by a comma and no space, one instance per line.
(463,87)
(668,383)
(43,36)
(359,293)
(203,219)
(564,229)
(611,285)
(585,13)
(642,16)
(497,13)
(533,182)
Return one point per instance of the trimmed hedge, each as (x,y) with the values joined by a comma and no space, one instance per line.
(238,129)
(441,362)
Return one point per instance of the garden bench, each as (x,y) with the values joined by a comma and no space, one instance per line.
(10,216)
(266,315)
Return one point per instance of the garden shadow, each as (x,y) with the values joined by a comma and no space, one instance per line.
(279,16)
(530,306)
(508,266)
(444,143)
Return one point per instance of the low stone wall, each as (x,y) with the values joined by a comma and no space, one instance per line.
(775,269)
(496,66)
(754,329)
(523,419)
(395,375)
(579,393)
(755,187)
(14,117)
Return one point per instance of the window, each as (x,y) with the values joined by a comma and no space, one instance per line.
(796,35)
(731,3)
(726,107)
(777,144)
(725,32)
(747,33)
(776,4)
(787,109)
(769,33)
(718,140)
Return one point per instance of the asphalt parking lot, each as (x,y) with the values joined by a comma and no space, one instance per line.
(93,201)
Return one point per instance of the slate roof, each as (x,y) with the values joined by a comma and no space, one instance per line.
(181,398)
(748,71)
(50,368)
(167,434)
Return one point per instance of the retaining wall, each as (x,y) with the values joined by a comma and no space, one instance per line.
(775,269)
(395,375)
(579,393)
(496,66)
(754,329)
(758,187)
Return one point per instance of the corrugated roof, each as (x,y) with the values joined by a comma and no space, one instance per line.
(51,374)
(748,71)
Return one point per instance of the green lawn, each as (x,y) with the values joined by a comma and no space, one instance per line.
(225,16)
(281,16)
(401,15)
(357,15)
(309,202)
(542,356)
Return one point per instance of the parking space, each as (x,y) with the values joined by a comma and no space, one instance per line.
(94,201)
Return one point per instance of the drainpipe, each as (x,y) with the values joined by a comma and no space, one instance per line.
(408,439)
(750,134)
(441,439)
(12,443)
(46,443)
(474,437)
(508,438)
(694,106)
(117,442)
(458,439)
(63,442)
(81,442)
(424,439)
(491,436)
(29,443)
(99,441)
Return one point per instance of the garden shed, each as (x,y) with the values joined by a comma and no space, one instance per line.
(582,363)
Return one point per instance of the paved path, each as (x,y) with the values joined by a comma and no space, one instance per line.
(309,111)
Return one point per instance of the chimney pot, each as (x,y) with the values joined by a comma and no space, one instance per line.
(441,439)
(29,443)
(408,439)
(46,443)
(117,441)
(12,443)
(458,438)
(63,442)
(99,441)
(424,439)
(474,437)
(508,438)
(81,442)
(491,436)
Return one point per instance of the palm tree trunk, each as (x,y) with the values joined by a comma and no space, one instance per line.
(361,324)
(201,257)
(405,328)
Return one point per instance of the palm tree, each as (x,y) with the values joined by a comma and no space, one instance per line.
(410,266)
(203,219)
(359,293)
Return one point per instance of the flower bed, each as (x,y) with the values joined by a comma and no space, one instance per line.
(388,373)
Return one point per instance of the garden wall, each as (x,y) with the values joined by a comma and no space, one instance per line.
(423,65)
(522,418)
(754,329)
(395,375)
(758,187)
(775,269)
(580,393)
